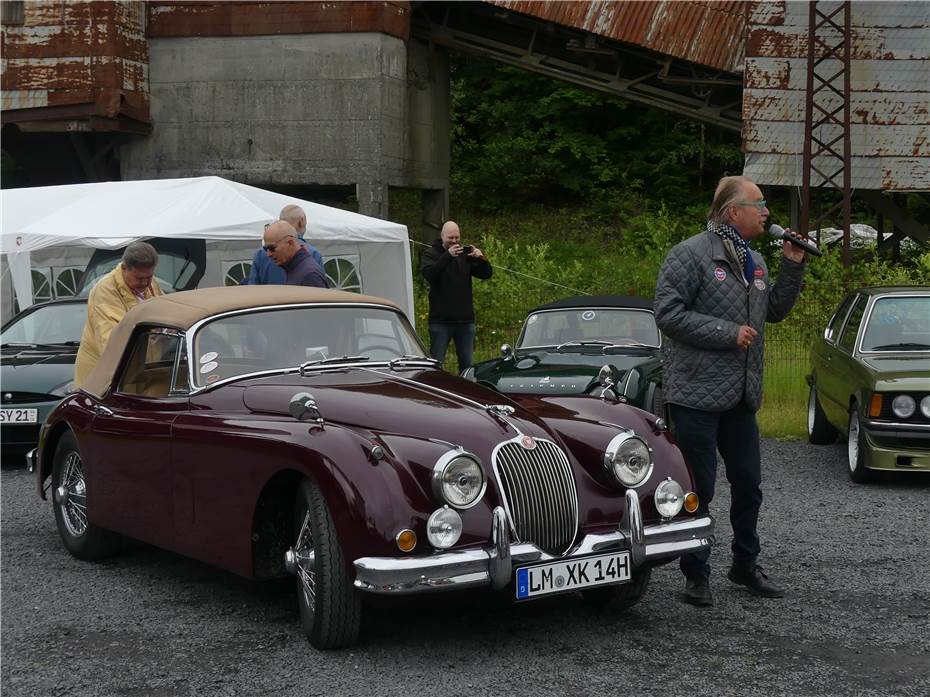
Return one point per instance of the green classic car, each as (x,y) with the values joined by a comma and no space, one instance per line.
(577,346)
(870,379)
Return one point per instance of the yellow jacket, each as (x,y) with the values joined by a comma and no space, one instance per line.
(108,303)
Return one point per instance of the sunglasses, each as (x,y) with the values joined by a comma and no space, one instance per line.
(758,204)
(272,247)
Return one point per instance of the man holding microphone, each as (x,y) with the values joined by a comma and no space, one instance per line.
(712,300)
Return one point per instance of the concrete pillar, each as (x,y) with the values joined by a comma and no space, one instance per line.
(435,207)
(372,199)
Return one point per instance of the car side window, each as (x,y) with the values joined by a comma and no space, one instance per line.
(833,328)
(150,368)
(847,340)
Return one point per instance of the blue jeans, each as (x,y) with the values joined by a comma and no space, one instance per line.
(734,433)
(462,334)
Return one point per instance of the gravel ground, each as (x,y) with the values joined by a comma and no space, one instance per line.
(151,623)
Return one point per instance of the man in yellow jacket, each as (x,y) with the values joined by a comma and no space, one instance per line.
(131,282)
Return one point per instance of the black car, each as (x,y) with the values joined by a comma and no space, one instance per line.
(565,345)
(39,346)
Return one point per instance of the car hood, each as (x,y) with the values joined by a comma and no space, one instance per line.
(552,372)
(900,372)
(427,403)
(36,370)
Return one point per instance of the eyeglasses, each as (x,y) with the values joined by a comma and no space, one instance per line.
(272,247)
(758,204)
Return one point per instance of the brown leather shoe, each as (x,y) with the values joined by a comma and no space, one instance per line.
(756,581)
(697,592)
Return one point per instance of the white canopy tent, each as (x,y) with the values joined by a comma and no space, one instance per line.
(108,215)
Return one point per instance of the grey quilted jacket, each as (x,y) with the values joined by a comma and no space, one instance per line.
(701,300)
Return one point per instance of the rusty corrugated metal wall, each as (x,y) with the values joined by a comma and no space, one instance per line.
(889,100)
(80,58)
(707,33)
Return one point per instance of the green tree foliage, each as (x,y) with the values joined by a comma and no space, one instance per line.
(520,138)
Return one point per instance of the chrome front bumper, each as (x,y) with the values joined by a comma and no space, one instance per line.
(494,565)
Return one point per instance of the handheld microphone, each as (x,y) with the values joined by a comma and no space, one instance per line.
(778,232)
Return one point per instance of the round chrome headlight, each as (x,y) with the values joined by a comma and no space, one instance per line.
(925,406)
(629,459)
(669,498)
(444,528)
(903,406)
(458,479)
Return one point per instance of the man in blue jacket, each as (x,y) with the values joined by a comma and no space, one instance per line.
(713,298)
(284,250)
(264,271)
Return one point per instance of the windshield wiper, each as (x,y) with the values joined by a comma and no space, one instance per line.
(902,345)
(27,344)
(582,344)
(408,359)
(629,345)
(335,360)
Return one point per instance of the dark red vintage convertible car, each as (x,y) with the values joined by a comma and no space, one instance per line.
(269,430)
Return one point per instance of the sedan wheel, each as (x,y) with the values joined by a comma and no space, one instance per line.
(855,449)
(330,607)
(69,489)
(819,430)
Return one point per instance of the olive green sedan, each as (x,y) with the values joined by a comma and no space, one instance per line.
(870,379)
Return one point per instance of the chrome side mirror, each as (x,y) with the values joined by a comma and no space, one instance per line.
(506,352)
(303,407)
(608,377)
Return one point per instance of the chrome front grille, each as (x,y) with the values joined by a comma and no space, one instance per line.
(539,494)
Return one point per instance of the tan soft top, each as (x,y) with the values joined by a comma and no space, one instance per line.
(185,309)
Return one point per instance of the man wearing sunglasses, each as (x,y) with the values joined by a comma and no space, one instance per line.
(282,246)
(713,298)
(264,271)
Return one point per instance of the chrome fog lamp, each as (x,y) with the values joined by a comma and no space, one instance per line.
(628,459)
(925,406)
(669,498)
(444,528)
(903,406)
(458,479)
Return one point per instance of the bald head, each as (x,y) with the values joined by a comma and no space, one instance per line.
(450,234)
(280,242)
(295,215)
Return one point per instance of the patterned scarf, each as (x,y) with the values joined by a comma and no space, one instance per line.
(741,246)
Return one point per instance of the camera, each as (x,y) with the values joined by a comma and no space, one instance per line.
(467,249)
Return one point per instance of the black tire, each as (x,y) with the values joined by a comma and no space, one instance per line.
(819,430)
(330,606)
(658,402)
(69,495)
(620,597)
(855,449)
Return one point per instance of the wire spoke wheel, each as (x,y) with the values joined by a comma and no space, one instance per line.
(74,505)
(78,534)
(306,562)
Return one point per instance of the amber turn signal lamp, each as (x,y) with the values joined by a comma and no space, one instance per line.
(875,406)
(691,502)
(406,540)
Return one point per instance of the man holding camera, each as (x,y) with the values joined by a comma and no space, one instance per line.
(448,266)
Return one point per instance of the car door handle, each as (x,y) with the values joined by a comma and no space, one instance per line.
(101,410)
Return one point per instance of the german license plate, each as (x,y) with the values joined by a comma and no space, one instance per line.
(574,574)
(19,416)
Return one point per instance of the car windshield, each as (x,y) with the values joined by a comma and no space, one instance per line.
(605,326)
(52,324)
(274,339)
(898,324)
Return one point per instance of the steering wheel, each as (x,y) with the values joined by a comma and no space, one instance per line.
(390,350)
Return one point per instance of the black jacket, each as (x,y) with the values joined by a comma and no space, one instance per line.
(450,284)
